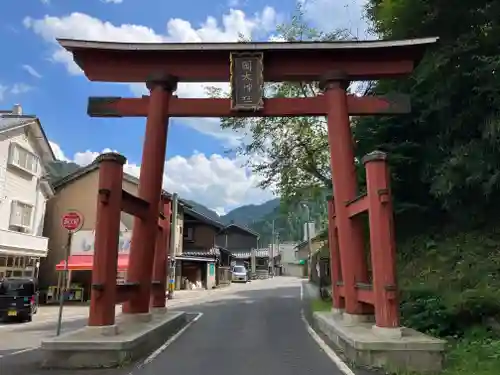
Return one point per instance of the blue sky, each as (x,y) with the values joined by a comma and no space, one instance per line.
(35,73)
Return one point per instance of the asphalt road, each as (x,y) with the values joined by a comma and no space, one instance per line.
(257,328)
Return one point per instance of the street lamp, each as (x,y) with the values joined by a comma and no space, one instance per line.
(308,237)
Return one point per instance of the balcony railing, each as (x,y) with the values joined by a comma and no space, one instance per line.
(18,243)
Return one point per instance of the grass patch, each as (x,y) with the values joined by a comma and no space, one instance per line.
(320,305)
(450,285)
(477,353)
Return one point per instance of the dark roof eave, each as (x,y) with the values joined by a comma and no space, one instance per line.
(89,45)
(82,171)
(203,218)
(244,229)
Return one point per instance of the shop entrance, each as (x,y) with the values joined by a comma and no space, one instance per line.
(19,266)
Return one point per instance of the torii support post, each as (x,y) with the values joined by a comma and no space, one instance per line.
(382,240)
(158,295)
(143,242)
(345,186)
(338,304)
(104,271)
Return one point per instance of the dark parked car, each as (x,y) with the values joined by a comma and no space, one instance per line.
(18,299)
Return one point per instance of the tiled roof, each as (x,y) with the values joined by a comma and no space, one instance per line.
(214,252)
(9,122)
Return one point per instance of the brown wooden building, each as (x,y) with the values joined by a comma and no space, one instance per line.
(204,262)
(237,238)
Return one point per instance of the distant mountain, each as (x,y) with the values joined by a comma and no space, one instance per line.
(244,215)
(288,222)
(60,169)
(249,214)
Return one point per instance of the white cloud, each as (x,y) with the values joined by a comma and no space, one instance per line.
(20,88)
(218,182)
(85,27)
(331,14)
(112,1)
(32,71)
(15,89)
(82,26)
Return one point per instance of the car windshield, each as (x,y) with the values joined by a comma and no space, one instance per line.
(10,288)
(239,269)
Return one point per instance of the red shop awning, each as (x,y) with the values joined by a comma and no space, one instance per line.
(86,262)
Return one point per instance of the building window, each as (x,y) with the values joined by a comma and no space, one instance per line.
(21,158)
(20,216)
(189,234)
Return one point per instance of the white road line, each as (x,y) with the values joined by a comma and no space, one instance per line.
(158,351)
(341,365)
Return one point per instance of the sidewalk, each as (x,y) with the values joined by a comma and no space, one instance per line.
(49,313)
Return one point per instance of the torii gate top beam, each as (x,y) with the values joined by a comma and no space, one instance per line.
(283,61)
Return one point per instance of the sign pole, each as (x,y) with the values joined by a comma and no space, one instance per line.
(64,287)
(72,221)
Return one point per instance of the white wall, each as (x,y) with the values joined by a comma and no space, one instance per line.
(287,251)
(312,230)
(293,270)
(18,186)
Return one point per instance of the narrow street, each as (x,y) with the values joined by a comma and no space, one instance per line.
(253,328)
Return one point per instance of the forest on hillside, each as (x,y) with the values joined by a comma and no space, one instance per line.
(445,167)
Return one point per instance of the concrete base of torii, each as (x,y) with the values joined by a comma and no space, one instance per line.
(112,346)
(398,349)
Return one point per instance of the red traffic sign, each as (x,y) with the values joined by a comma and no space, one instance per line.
(72,221)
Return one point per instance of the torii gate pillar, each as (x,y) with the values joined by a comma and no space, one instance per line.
(142,246)
(345,185)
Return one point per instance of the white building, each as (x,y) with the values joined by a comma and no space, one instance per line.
(24,154)
(312,230)
(290,264)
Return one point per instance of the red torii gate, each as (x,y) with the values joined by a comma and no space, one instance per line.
(247,66)
(112,200)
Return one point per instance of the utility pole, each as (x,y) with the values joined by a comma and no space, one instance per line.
(277,247)
(271,250)
(173,242)
(253,260)
(308,237)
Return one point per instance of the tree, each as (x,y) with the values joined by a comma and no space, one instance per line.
(291,154)
(444,156)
